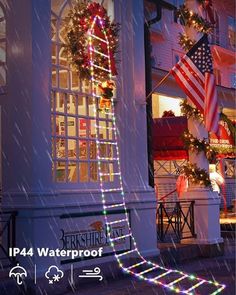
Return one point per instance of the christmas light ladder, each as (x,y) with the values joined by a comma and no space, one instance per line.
(172,279)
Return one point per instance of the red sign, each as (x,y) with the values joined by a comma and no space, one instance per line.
(225,138)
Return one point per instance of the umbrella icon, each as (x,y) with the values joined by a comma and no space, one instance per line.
(19,273)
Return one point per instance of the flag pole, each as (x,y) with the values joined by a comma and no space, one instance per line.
(158,84)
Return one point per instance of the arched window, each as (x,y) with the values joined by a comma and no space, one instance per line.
(2,46)
(73,121)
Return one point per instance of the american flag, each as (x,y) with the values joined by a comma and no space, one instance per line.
(194,74)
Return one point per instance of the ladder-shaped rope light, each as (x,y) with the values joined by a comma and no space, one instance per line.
(142,268)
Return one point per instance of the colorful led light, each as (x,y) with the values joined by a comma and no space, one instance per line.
(129,269)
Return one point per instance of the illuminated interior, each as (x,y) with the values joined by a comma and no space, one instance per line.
(162,103)
(73,119)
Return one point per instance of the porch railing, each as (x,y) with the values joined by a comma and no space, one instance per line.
(7,237)
(175,220)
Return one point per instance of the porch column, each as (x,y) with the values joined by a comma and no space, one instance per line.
(207,202)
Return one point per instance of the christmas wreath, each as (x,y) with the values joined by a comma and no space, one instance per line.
(79,22)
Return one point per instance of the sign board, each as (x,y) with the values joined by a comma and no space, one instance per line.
(225,138)
(87,231)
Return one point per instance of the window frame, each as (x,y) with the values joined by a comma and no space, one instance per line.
(78,92)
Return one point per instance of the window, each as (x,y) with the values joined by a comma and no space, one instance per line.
(72,116)
(162,103)
(2,47)
(232,31)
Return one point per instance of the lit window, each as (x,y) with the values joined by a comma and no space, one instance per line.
(232,31)
(162,103)
(2,46)
(73,122)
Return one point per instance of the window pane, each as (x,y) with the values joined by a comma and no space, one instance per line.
(92,150)
(60,125)
(83,126)
(72,172)
(93,172)
(85,86)
(92,130)
(63,60)
(83,172)
(103,130)
(60,172)
(71,104)
(60,148)
(74,80)
(91,106)
(71,126)
(72,151)
(54,77)
(110,131)
(63,79)
(60,102)
(83,150)
(82,106)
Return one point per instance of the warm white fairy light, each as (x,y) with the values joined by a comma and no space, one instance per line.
(155,280)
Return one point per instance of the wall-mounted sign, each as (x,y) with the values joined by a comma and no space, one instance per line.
(225,138)
(88,232)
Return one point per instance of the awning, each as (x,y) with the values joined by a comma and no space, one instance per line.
(168,145)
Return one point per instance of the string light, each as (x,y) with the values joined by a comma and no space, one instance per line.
(132,269)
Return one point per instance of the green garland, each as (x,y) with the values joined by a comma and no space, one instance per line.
(185,42)
(196,175)
(225,150)
(190,18)
(230,124)
(190,112)
(194,144)
(79,21)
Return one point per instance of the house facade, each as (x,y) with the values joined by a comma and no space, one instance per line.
(49,163)
(166,52)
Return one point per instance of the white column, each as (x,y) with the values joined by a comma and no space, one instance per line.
(207,203)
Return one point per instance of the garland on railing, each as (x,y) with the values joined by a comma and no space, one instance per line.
(196,175)
(190,112)
(194,144)
(185,42)
(190,18)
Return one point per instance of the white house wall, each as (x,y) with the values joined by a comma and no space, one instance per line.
(26,125)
